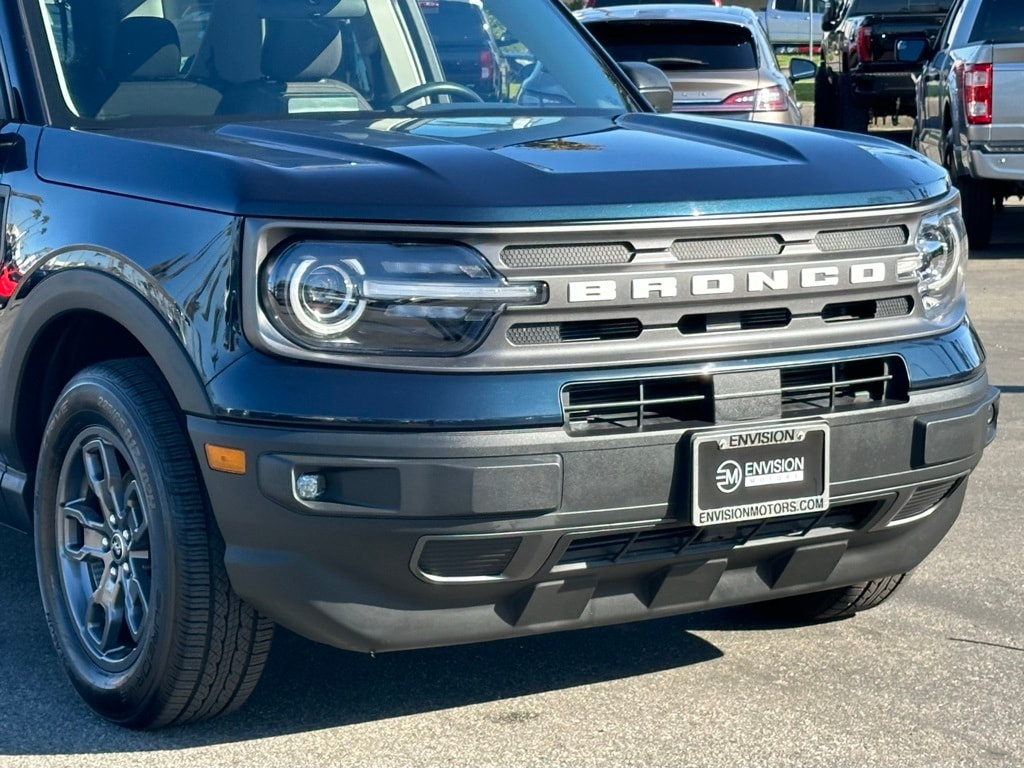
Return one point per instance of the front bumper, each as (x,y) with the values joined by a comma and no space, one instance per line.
(430,538)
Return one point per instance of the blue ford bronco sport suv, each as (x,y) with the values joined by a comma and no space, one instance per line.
(296,330)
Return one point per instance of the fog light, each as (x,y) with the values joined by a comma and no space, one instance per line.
(310,486)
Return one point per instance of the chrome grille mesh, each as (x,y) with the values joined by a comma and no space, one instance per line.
(526,334)
(727,248)
(860,239)
(597,254)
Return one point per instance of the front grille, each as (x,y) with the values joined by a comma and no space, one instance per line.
(673,541)
(924,498)
(727,248)
(861,239)
(872,309)
(747,320)
(574,331)
(459,558)
(596,254)
(677,402)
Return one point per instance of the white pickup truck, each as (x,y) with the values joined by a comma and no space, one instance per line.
(789,22)
(970,107)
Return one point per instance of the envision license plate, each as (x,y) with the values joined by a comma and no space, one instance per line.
(753,473)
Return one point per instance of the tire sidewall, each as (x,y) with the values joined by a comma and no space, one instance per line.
(125,693)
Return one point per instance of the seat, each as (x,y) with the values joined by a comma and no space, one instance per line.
(147,60)
(298,58)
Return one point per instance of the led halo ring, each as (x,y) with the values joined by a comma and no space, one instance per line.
(337,320)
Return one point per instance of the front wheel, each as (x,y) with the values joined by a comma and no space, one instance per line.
(130,563)
(833,603)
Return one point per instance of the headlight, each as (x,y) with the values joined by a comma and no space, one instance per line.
(384,298)
(941,262)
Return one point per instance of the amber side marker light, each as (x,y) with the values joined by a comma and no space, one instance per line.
(224,459)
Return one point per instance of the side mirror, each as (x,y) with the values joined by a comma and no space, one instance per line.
(911,51)
(652,83)
(507,39)
(801,69)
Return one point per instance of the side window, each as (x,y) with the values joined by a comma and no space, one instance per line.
(788,5)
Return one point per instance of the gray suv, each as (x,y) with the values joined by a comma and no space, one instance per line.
(970,107)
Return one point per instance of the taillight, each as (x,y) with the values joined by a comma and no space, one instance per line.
(864,43)
(762,100)
(976,86)
(486,65)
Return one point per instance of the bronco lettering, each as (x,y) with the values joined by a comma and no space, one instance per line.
(661,287)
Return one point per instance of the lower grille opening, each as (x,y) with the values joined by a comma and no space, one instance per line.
(460,558)
(924,498)
(637,405)
(673,541)
(678,402)
(844,386)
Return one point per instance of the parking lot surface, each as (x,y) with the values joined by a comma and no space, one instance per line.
(932,678)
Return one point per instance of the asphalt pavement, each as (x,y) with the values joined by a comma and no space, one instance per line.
(933,678)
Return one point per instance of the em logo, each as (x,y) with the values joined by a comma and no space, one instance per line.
(729,476)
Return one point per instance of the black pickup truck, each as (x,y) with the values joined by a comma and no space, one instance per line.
(864,71)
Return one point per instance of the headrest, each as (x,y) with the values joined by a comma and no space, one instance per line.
(146,48)
(301,49)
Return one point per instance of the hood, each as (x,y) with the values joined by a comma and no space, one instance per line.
(472,169)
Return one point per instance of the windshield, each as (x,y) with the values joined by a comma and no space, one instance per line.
(180,60)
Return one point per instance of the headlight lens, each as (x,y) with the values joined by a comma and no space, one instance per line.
(384,298)
(941,262)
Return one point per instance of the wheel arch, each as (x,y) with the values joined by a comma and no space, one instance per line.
(68,321)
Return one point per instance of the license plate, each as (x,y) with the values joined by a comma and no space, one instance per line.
(754,473)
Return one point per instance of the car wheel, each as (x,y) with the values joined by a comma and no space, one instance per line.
(833,603)
(130,563)
(852,114)
(824,100)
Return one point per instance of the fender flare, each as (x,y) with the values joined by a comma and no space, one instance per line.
(71,290)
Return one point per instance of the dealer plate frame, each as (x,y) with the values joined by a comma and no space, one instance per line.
(733,447)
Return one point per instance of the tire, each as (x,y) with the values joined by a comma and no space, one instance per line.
(852,115)
(824,100)
(130,563)
(976,197)
(833,603)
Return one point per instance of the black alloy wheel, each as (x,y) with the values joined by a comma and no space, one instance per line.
(130,561)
